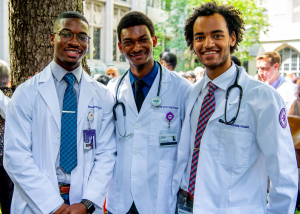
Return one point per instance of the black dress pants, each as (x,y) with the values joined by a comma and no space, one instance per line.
(6,191)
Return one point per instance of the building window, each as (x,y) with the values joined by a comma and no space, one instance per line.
(94,13)
(118,14)
(290,60)
(96,42)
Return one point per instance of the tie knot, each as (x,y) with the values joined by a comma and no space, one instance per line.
(139,84)
(212,87)
(69,78)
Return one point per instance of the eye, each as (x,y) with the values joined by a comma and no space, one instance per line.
(218,36)
(66,34)
(144,40)
(127,43)
(199,38)
(83,37)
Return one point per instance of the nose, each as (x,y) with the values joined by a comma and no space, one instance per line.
(208,43)
(137,47)
(74,41)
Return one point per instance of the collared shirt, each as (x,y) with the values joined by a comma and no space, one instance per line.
(148,79)
(275,84)
(60,84)
(222,82)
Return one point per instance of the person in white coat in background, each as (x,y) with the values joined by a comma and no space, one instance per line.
(229,147)
(154,102)
(60,145)
(268,65)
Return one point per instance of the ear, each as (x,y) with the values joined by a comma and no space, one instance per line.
(232,39)
(154,39)
(52,37)
(276,66)
(120,47)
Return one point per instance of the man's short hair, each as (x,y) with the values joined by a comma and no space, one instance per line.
(135,18)
(232,16)
(4,73)
(170,59)
(69,14)
(272,57)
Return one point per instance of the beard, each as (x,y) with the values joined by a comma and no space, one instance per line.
(217,64)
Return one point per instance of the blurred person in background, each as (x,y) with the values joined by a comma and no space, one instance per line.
(190,76)
(199,72)
(112,72)
(268,66)
(169,60)
(104,79)
(290,76)
(6,185)
(236,60)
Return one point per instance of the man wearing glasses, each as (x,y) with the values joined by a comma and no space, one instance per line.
(60,144)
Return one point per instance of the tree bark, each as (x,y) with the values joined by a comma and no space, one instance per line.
(30,25)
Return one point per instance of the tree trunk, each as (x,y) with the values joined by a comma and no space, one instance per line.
(30,25)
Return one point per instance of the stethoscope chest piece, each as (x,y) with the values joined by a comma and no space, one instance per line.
(156,101)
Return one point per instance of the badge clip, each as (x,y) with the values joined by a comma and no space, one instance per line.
(90,117)
(170,117)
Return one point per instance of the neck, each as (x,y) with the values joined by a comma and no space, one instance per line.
(213,73)
(67,66)
(274,78)
(139,71)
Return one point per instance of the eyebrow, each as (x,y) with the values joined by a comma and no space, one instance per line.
(215,31)
(139,37)
(72,32)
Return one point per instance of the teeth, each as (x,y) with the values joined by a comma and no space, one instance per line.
(74,51)
(212,52)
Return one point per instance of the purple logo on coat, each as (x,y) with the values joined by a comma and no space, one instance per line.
(282,118)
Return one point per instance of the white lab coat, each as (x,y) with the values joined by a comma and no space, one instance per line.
(144,170)
(287,91)
(234,162)
(4,102)
(32,143)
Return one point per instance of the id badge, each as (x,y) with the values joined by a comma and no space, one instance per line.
(89,139)
(168,138)
(182,209)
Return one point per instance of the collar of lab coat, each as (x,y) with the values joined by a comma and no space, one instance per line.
(232,100)
(126,90)
(48,91)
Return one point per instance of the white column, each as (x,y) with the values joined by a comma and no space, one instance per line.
(108,41)
(4,38)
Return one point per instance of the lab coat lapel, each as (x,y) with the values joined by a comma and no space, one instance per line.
(86,95)
(153,91)
(126,92)
(48,91)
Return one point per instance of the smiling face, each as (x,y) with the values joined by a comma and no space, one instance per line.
(212,43)
(137,45)
(68,53)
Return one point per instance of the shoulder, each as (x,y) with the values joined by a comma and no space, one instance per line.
(177,79)
(98,87)
(286,85)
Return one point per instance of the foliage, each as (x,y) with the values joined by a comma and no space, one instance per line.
(255,22)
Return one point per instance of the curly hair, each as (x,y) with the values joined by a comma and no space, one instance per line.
(132,19)
(235,22)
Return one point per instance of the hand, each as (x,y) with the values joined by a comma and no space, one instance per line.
(61,209)
(78,208)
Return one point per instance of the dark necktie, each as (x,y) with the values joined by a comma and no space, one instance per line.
(139,96)
(68,144)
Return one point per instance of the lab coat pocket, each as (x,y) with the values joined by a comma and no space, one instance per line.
(159,122)
(234,148)
(242,210)
(87,171)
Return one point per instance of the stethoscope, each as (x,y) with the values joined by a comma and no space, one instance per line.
(156,101)
(235,85)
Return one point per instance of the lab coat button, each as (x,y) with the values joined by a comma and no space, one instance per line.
(137,126)
(58,135)
(135,152)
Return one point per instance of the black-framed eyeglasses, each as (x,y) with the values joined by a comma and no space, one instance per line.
(67,35)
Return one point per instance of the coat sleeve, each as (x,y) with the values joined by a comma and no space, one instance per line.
(104,161)
(4,102)
(33,186)
(276,143)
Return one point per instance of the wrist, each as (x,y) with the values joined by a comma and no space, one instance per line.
(89,205)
